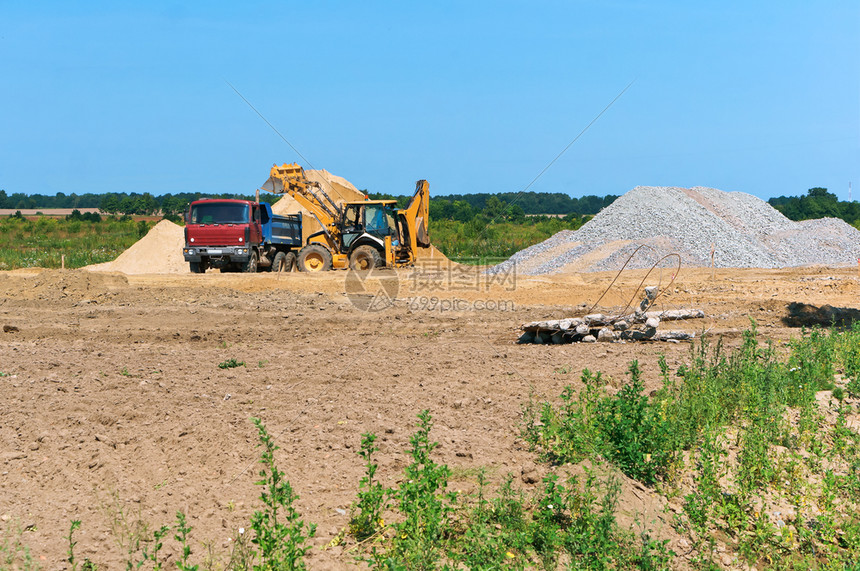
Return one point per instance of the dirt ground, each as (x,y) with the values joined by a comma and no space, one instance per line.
(112,394)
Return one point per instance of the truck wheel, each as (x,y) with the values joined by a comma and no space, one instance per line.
(284,262)
(250,267)
(198,267)
(314,258)
(364,258)
(278,263)
(290,261)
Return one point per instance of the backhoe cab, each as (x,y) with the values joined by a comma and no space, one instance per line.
(361,235)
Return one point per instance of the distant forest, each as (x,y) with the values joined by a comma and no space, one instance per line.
(503,206)
(462,207)
(818,203)
(117,202)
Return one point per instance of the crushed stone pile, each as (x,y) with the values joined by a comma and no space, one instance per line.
(745,232)
(159,252)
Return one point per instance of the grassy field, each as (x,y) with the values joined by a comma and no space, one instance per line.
(42,241)
(476,242)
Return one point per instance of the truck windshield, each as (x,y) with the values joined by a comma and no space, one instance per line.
(219,213)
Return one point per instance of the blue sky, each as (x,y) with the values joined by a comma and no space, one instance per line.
(473,96)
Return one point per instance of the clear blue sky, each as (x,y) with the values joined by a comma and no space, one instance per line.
(759,97)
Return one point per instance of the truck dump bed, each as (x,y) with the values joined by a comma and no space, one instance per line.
(283,230)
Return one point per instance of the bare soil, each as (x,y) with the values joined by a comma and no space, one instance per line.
(112,389)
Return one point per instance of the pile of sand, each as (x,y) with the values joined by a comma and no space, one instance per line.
(433,258)
(338,188)
(159,252)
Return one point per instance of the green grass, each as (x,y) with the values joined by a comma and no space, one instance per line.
(231,363)
(435,528)
(741,437)
(40,242)
(476,242)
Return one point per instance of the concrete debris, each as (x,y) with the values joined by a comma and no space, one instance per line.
(608,328)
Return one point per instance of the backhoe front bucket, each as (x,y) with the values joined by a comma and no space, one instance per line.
(279,174)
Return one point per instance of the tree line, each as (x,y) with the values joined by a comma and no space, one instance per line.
(502,206)
(506,206)
(121,203)
(460,207)
(817,203)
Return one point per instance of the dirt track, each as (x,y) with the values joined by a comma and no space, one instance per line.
(113,387)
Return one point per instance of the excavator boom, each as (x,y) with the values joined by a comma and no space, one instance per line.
(415,219)
(352,234)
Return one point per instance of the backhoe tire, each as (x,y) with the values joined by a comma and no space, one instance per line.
(314,258)
(284,262)
(250,267)
(364,258)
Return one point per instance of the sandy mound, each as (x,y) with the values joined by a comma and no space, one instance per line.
(340,190)
(432,258)
(744,231)
(159,252)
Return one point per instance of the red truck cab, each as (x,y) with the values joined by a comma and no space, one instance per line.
(236,235)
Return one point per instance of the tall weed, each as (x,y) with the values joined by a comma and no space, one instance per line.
(279,532)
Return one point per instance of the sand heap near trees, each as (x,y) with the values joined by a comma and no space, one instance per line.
(159,252)
(744,232)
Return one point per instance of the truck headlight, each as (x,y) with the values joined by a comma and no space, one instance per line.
(241,239)
(191,240)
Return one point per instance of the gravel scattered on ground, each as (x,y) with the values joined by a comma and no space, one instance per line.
(744,232)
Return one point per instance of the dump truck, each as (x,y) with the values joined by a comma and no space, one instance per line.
(240,236)
(360,235)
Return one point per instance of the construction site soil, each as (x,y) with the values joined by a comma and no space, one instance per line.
(111,389)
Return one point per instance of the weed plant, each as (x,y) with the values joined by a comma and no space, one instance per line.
(367,512)
(771,478)
(279,532)
(14,553)
(231,363)
(438,529)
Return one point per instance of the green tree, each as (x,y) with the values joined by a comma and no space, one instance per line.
(110,203)
(494,209)
(173,206)
(463,211)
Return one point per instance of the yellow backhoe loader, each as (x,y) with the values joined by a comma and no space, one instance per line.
(360,235)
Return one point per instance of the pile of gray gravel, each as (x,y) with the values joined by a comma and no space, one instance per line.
(744,231)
